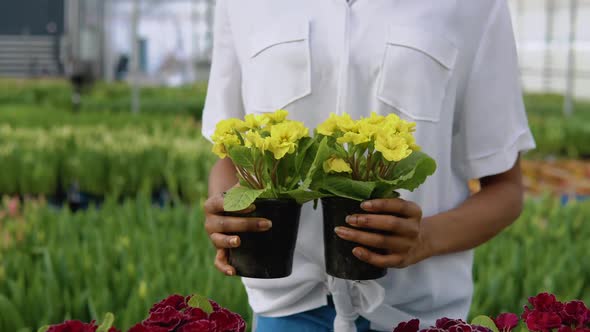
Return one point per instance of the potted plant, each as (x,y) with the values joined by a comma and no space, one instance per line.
(369,158)
(272,155)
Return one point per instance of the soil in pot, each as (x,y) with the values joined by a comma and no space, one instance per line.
(268,254)
(340,262)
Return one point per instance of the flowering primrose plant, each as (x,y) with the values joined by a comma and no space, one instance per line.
(368,158)
(271,155)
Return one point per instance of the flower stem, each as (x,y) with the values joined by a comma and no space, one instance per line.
(389,169)
(245,176)
(273,174)
(369,165)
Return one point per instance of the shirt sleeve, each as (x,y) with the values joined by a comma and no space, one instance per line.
(492,123)
(224,95)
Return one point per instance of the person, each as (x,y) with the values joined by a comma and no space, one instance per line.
(449,66)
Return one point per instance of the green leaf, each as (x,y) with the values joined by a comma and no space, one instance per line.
(239,198)
(285,172)
(323,152)
(201,302)
(307,147)
(242,156)
(384,190)
(303,196)
(43,328)
(107,323)
(412,171)
(485,321)
(346,187)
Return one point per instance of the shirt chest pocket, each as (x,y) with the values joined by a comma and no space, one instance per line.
(278,71)
(416,69)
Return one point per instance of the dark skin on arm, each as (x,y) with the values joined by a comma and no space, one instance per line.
(412,238)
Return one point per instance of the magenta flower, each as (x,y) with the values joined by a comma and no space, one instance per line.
(506,322)
(543,321)
(410,326)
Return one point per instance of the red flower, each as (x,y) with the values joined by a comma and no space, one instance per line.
(142,328)
(461,328)
(433,329)
(215,306)
(445,323)
(77,326)
(527,311)
(73,326)
(173,314)
(506,322)
(203,325)
(175,301)
(542,321)
(409,326)
(545,302)
(167,317)
(575,313)
(569,329)
(227,321)
(194,314)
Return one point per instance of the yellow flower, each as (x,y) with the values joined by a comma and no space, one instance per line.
(374,119)
(329,126)
(219,150)
(354,138)
(253,139)
(280,148)
(284,137)
(256,121)
(226,135)
(393,147)
(393,119)
(345,123)
(411,141)
(228,126)
(290,131)
(335,123)
(336,165)
(406,126)
(278,116)
(368,129)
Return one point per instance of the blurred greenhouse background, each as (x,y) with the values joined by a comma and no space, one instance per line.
(40,38)
(103,170)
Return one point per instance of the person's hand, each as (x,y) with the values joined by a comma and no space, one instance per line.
(404,242)
(218,225)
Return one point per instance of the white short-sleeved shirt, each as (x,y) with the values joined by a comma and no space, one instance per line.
(448,65)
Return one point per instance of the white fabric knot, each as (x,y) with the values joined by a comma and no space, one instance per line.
(352,299)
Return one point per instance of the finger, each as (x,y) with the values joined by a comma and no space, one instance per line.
(214,205)
(375,259)
(225,224)
(222,264)
(391,243)
(395,206)
(222,241)
(393,224)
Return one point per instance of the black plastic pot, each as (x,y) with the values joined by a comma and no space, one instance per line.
(340,262)
(269,254)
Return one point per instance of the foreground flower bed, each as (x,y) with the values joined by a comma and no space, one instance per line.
(197,314)
(175,313)
(543,313)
